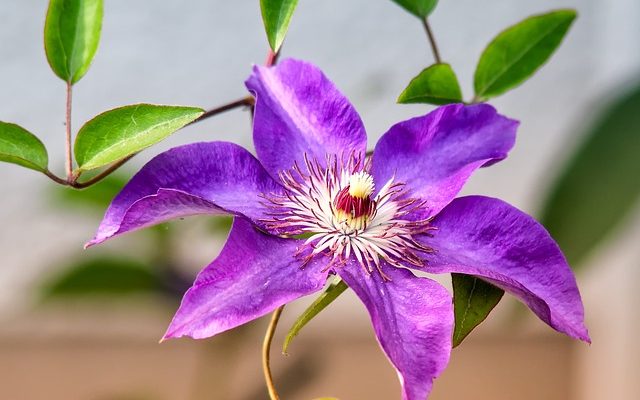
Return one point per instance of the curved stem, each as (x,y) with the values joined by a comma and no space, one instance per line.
(245,101)
(69,161)
(266,349)
(432,41)
(101,175)
(55,178)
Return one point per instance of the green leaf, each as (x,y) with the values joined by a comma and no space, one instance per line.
(101,277)
(516,53)
(333,291)
(419,8)
(71,36)
(19,146)
(436,84)
(276,15)
(116,134)
(473,300)
(600,184)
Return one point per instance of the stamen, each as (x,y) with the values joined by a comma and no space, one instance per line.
(361,185)
(334,203)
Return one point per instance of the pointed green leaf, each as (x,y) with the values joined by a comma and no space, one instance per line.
(19,146)
(516,53)
(600,184)
(419,8)
(121,132)
(473,300)
(276,15)
(436,84)
(71,36)
(333,291)
(103,276)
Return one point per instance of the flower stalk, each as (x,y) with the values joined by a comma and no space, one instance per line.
(266,350)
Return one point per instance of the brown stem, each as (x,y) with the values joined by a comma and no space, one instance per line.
(55,178)
(432,40)
(266,349)
(272,58)
(72,177)
(245,101)
(101,175)
(69,161)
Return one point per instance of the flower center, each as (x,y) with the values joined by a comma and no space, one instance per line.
(333,204)
(354,206)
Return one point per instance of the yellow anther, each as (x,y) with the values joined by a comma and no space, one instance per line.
(361,185)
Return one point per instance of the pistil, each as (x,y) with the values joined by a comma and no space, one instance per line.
(354,206)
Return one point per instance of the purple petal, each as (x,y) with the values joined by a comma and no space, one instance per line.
(435,154)
(200,178)
(254,274)
(488,238)
(413,321)
(298,110)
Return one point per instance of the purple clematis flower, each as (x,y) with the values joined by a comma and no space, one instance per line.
(370,220)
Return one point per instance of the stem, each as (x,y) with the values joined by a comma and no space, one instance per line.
(266,349)
(245,101)
(432,40)
(55,178)
(272,58)
(101,175)
(71,177)
(69,162)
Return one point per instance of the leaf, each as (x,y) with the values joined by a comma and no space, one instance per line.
(419,8)
(103,276)
(473,300)
(19,146)
(327,297)
(116,134)
(436,84)
(600,183)
(71,36)
(276,15)
(517,52)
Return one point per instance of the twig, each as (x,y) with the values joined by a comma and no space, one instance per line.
(55,178)
(266,349)
(101,175)
(272,58)
(432,40)
(69,161)
(245,101)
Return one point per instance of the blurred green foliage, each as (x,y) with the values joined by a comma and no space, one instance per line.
(600,183)
(130,272)
(105,275)
(95,198)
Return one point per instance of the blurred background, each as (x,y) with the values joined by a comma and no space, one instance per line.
(78,324)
